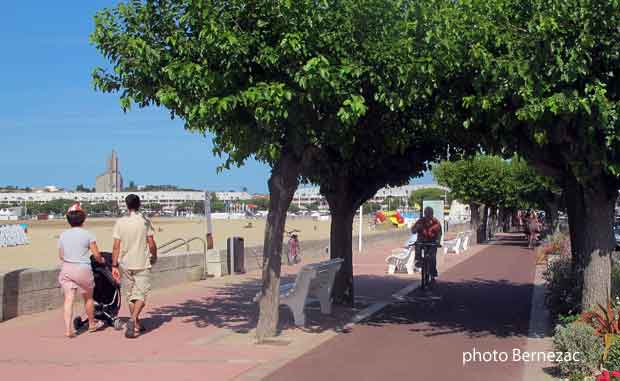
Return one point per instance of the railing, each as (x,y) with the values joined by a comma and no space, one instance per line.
(175,247)
(186,244)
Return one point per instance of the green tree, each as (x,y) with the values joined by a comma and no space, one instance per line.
(313,206)
(378,106)
(131,187)
(322,92)
(261,203)
(541,78)
(371,207)
(416,196)
(58,207)
(478,181)
(82,188)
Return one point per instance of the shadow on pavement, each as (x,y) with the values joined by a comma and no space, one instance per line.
(478,308)
(232,307)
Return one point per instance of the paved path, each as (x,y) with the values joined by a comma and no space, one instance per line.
(201,330)
(482,303)
(204,330)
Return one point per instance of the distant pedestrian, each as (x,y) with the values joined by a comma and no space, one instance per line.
(133,253)
(533,227)
(75,247)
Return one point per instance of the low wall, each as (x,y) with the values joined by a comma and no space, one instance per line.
(28,291)
(315,249)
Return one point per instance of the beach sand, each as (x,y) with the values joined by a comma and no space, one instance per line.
(42,251)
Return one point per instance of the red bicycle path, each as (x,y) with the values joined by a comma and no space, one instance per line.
(204,330)
(482,303)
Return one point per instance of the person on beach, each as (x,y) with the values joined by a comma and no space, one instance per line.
(75,247)
(133,253)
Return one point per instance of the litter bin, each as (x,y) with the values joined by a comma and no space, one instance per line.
(235,255)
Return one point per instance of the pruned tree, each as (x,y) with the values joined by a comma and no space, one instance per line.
(282,82)
(417,196)
(541,78)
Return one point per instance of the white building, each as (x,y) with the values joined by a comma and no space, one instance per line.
(168,200)
(233,196)
(309,195)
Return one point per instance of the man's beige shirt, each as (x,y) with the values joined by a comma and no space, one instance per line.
(132,231)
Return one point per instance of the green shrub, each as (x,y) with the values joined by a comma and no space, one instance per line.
(568,319)
(561,289)
(613,355)
(578,337)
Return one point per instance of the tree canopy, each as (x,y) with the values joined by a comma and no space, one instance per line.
(416,196)
(326,91)
(541,78)
(493,181)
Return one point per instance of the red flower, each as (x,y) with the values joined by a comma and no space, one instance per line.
(615,374)
(603,376)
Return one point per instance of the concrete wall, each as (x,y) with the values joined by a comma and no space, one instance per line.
(28,291)
(315,249)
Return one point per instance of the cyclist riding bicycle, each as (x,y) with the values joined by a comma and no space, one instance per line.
(429,230)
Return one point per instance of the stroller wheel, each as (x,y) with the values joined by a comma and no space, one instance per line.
(118,324)
(77,323)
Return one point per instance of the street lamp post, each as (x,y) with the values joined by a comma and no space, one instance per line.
(208,225)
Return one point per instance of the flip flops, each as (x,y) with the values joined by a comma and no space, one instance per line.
(98,326)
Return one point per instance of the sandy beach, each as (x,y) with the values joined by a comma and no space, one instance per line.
(43,235)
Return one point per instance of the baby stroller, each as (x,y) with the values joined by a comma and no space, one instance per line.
(107,294)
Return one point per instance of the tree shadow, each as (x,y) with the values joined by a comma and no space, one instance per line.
(232,307)
(477,308)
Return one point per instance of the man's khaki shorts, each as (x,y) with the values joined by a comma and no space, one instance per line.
(136,283)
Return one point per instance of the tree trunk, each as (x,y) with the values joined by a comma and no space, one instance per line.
(551,214)
(591,215)
(505,217)
(485,223)
(492,221)
(474,209)
(340,238)
(282,185)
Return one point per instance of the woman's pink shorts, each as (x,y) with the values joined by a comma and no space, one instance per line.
(76,276)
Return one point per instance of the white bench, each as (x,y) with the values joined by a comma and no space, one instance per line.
(403,259)
(314,281)
(457,245)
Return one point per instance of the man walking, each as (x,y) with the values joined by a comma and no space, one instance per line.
(133,241)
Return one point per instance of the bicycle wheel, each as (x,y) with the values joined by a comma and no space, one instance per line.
(424,270)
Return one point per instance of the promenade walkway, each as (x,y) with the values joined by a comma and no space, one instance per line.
(204,330)
(482,304)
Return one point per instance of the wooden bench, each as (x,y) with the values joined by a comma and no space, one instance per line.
(314,281)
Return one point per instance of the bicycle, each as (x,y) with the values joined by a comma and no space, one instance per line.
(426,264)
(293,254)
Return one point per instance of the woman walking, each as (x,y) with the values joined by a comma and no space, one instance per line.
(75,246)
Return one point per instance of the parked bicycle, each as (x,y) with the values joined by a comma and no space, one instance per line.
(293,254)
(425,256)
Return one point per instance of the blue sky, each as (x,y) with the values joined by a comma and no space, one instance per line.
(56,130)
